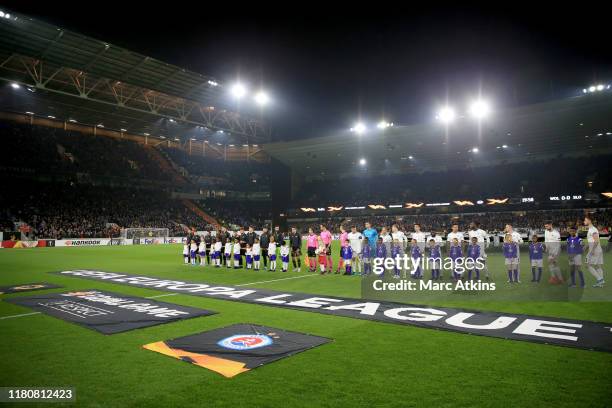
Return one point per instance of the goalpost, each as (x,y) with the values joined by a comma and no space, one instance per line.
(144,235)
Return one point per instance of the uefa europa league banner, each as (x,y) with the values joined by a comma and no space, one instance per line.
(547,330)
(108,312)
(238,348)
(27,287)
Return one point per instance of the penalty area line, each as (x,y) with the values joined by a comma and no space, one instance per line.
(276,280)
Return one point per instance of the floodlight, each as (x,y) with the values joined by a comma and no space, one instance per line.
(359,128)
(383,124)
(238,90)
(446,114)
(362,162)
(475,150)
(262,98)
(479,109)
(15,85)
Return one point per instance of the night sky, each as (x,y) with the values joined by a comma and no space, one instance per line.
(324,68)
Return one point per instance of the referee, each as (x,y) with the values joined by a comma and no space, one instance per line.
(295,241)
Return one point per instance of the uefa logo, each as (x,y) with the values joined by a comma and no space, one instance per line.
(245,341)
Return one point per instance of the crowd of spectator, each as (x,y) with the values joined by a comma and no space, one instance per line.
(239,213)
(527,179)
(58,211)
(218,173)
(51,150)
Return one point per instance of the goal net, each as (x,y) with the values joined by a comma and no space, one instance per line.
(145,235)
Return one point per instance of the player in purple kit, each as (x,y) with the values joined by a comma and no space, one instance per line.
(346,254)
(249,256)
(510,250)
(435,257)
(396,251)
(381,254)
(574,253)
(193,250)
(416,255)
(455,252)
(536,257)
(473,253)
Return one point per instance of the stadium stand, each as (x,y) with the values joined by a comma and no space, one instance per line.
(518,179)
(68,184)
(239,213)
(97,185)
(217,173)
(55,210)
(50,150)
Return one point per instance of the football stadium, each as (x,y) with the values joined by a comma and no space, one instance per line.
(182,228)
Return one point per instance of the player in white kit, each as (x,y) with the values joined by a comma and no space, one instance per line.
(552,241)
(227,251)
(482,238)
(400,239)
(217,246)
(355,240)
(202,252)
(418,235)
(594,257)
(186,253)
(454,234)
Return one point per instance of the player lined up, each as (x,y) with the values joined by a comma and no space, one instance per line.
(360,251)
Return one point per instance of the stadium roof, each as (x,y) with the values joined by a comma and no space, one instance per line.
(580,125)
(89,78)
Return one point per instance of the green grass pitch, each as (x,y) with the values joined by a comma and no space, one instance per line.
(368,363)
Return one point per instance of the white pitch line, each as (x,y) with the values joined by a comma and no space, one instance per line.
(19,315)
(276,280)
(158,296)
